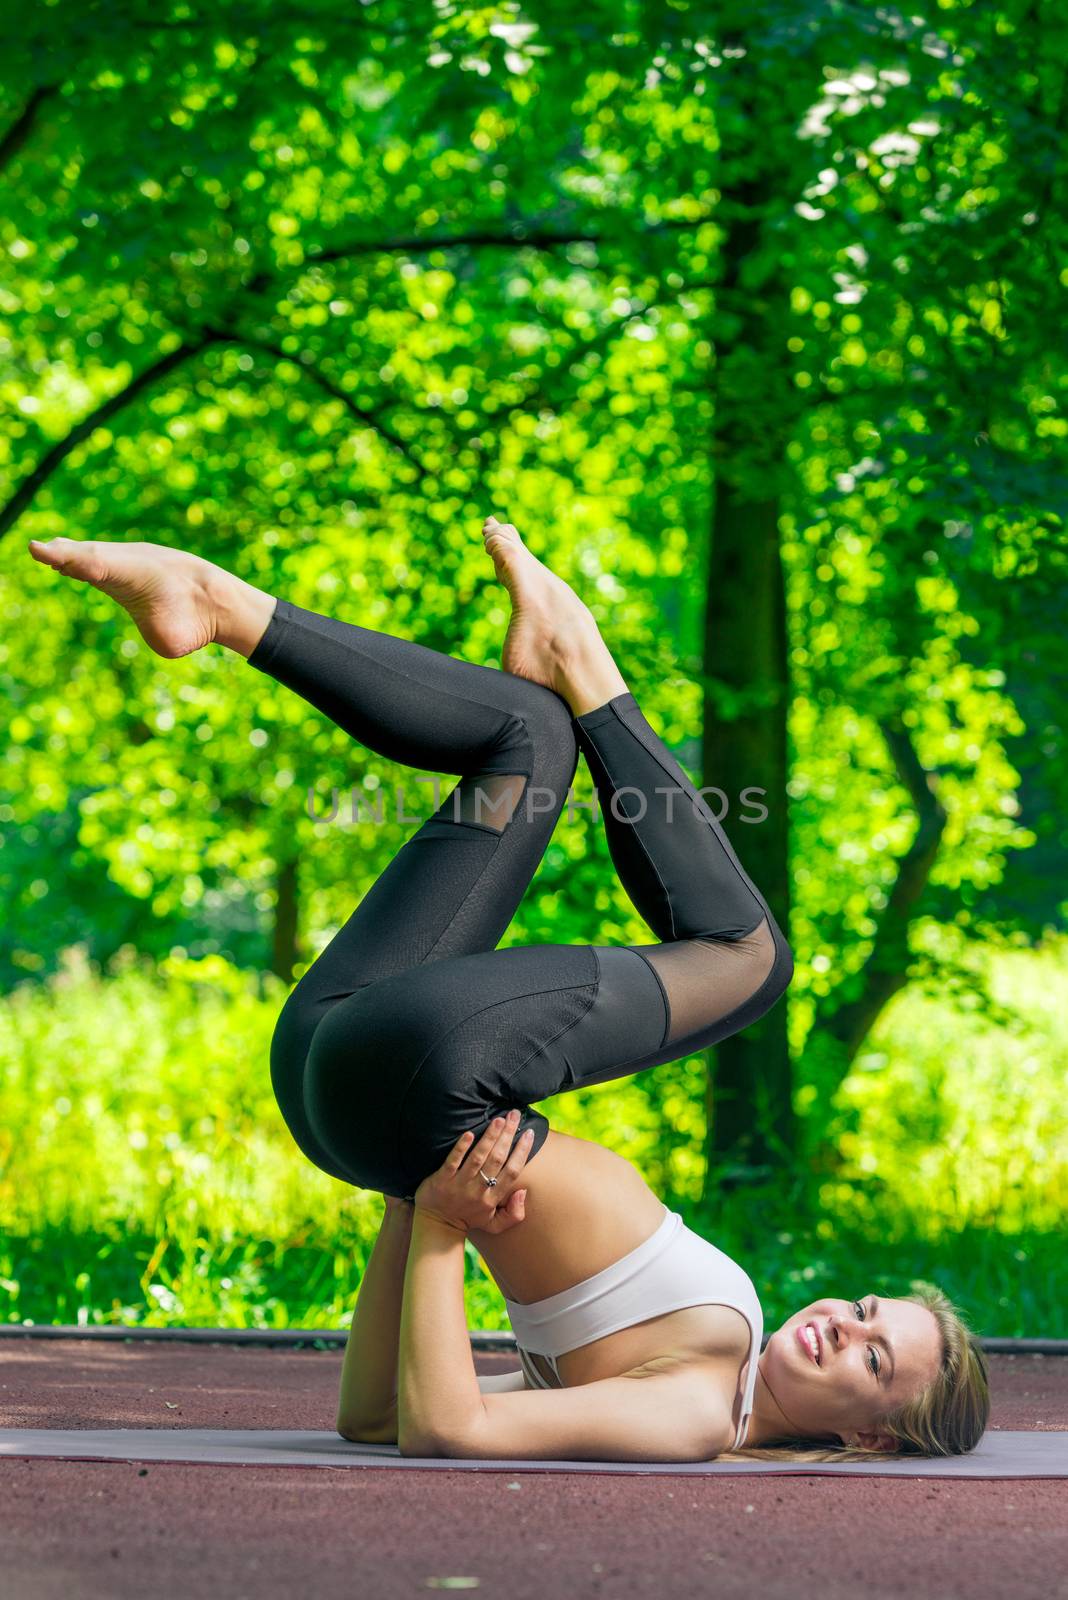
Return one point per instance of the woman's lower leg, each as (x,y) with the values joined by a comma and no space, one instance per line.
(552,635)
(242,613)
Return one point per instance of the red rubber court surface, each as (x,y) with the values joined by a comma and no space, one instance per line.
(74,1529)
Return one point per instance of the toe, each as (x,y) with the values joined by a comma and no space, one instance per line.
(505,530)
(74,558)
(53,552)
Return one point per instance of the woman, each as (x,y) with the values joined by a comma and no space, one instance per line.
(407,1057)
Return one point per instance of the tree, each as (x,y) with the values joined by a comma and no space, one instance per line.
(311,295)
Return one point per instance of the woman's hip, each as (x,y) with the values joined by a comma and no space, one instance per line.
(395,1072)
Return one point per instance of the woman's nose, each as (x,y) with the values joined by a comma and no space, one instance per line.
(839,1331)
(846,1327)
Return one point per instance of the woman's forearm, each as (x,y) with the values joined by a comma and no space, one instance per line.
(439,1398)
(368,1395)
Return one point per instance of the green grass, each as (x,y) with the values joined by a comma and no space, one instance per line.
(146,1175)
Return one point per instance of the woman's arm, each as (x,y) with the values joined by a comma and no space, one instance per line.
(367,1402)
(439,1398)
(669,1417)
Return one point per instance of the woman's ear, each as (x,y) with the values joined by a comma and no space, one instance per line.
(870,1441)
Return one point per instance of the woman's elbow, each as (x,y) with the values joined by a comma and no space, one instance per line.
(379,1433)
(421,1447)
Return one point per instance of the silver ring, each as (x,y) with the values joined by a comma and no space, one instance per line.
(491,1183)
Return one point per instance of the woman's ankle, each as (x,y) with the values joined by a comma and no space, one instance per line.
(591,680)
(241,612)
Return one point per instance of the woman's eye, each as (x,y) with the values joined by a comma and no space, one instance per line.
(873,1355)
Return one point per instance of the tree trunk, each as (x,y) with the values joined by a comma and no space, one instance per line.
(886,970)
(284,939)
(750,1114)
(750,1107)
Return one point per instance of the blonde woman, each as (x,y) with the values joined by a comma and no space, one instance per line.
(407,1058)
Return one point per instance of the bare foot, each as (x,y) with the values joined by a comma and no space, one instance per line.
(179,601)
(552,635)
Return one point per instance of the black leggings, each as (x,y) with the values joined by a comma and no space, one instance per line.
(411,1027)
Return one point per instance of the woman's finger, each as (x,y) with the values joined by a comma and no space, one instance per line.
(511,1213)
(503,1143)
(493,1136)
(456,1155)
(519,1155)
(476,1151)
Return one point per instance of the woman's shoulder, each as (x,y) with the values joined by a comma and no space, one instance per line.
(709,1384)
(708,1340)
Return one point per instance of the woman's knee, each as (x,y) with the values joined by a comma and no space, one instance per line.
(551,730)
(782,971)
(537,746)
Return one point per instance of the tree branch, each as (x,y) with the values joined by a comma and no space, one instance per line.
(368,418)
(887,966)
(519,237)
(226,21)
(22,127)
(44,469)
(12,511)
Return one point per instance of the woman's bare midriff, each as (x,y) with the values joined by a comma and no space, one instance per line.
(587,1208)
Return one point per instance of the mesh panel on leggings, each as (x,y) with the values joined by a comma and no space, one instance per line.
(706,979)
(486,801)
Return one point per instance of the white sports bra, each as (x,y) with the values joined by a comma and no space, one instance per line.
(674,1268)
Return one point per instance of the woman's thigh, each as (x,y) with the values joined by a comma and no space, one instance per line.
(397,1071)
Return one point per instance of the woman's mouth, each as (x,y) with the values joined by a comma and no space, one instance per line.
(809,1340)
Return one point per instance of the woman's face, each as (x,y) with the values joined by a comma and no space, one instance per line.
(839,1366)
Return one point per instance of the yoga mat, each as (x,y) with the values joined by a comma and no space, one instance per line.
(999,1454)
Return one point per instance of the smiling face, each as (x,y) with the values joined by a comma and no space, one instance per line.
(839,1366)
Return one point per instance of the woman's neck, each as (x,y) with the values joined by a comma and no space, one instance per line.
(768,1420)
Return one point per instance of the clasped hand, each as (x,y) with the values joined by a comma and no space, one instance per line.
(459,1195)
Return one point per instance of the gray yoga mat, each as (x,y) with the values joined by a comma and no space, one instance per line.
(999,1455)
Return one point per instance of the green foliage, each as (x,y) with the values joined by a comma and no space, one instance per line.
(237,186)
(939,1079)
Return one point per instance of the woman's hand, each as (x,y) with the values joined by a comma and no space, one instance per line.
(459,1195)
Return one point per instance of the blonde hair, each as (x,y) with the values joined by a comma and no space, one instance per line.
(947,1418)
